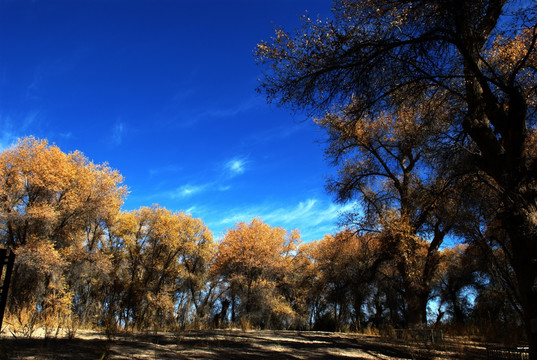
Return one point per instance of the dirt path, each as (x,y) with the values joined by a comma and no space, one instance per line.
(219,344)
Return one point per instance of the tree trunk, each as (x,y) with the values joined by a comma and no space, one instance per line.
(416,302)
(233,315)
(523,237)
(504,158)
(458,313)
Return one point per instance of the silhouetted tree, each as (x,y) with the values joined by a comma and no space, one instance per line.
(379,56)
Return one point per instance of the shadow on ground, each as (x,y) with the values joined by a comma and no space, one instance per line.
(209,345)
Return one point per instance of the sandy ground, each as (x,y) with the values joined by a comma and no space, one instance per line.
(226,344)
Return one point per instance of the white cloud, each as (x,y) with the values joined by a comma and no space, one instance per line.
(289,216)
(223,173)
(13,129)
(235,166)
(314,218)
(191,209)
(188,190)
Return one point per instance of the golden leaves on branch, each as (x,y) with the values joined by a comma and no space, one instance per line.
(256,261)
(53,207)
(46,193)
(508,53)
(255,248)
(41,257)
(513,59)
(409,252)
(162,256)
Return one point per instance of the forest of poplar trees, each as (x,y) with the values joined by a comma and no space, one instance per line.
(82,262)
(430,110)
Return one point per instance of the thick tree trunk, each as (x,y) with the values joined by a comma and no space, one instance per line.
(233,313)
(458,313)
(416,302)
(504,159)
(522,232)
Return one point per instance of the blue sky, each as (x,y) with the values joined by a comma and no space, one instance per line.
(164,91)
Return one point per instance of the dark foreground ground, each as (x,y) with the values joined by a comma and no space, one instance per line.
(233,344)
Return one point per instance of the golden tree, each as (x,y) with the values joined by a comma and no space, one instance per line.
(52,205)
(389,164)
(254,260)
(162,263)
(345,265)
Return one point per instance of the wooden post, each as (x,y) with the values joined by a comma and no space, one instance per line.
(7,259)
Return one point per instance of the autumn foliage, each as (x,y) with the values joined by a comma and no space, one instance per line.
(255,261)
(83,262)
(430,113)
(430,108)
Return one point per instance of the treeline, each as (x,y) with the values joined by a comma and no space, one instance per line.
(82,262)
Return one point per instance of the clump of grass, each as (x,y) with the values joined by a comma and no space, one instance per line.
(370,331)
(246,324)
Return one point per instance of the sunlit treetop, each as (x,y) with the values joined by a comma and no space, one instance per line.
(48,194)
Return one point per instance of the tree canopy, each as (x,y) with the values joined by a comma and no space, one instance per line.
(430,110)
(471,64)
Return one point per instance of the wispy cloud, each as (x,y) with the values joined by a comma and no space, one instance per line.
(273,134)
(188,190)
(176,114)
(32,90)
(168,169)
(313,217)
(118,132)
(190,210)
(235,166)
(221,181)
(285,215)
(13,128)
(229,111)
